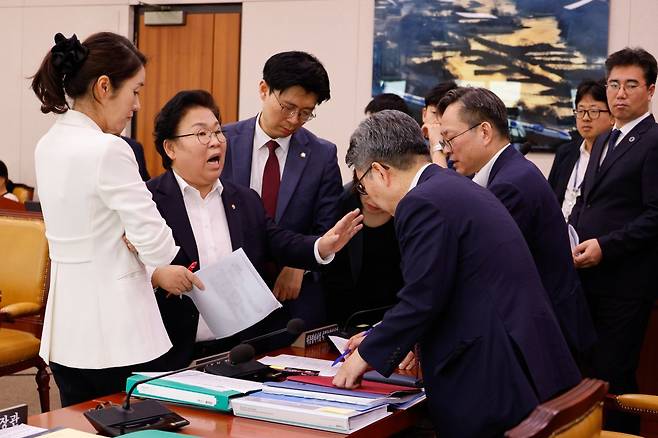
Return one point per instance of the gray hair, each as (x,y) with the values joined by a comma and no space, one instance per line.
(389,137)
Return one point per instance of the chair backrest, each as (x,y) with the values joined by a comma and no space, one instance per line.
(25,264)
(23,192)
(8,204)
(576,413)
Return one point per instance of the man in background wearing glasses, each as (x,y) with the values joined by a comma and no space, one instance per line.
(616,217)
(295,172)
(490,346)
(476,139)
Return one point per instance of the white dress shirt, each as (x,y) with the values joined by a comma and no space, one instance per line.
(210,229)
(628,127)
(414,182)
(261,153)
(575,182)
(481,178)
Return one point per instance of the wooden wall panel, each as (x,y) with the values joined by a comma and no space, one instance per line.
(179,58)
(226,65)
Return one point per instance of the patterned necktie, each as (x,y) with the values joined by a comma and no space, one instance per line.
(271,180)
(614,135)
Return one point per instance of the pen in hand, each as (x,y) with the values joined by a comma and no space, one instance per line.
(348,350)
(190,268)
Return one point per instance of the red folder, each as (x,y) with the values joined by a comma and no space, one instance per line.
(366,386)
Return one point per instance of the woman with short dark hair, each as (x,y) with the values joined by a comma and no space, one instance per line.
(101,319)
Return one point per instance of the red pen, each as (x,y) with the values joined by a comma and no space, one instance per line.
(190,268)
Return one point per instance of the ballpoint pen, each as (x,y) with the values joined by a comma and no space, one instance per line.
(190,268)
(348,350)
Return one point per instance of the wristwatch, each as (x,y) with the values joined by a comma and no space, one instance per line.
(437,148)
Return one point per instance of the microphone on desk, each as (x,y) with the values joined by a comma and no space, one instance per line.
(143,415)
(347,332)
(241,363)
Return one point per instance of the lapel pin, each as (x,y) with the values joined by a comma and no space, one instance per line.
(303,154)
(632,139)
(233,206)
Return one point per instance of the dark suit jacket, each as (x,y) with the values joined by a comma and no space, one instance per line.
(523,190)
(563,163)
(350,289)
(138,150)
(308,196)
(619,207)
(491,349)
(250,229)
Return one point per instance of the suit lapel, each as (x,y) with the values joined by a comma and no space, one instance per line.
(568,164)
(231,208)
(630,139)
(173,210)
(591,174)
(298,155)
(506,156)
(241,153)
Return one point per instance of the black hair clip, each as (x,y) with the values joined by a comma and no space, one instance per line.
(68,54)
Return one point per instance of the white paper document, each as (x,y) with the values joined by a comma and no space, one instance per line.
(210,381)
(302,363)
(20,431)
(235,298)
(339,343)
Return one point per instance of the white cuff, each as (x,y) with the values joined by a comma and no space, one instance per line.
(149,274)
(319,259)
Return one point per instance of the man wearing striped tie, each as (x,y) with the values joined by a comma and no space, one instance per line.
(616,217)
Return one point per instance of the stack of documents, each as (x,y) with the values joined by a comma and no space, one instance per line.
(313,401)
(193,388)
(313,413)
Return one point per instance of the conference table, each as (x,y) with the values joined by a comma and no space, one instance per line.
(206,423)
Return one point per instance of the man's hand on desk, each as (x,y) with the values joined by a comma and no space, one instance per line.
(408,362)
(349,375)
(288,284)
(337,237)
(175,279)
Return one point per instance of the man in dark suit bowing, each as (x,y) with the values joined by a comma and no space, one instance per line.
(295,172)
(616,217)
(476,138)
(210,218)
(490,347)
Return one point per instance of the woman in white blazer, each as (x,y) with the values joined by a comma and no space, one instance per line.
(101,319)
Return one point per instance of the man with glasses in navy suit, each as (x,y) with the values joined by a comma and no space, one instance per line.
(616,217)
(295,172)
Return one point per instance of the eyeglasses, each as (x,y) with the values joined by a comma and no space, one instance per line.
(628,86)
(447,143)
(358,185)
(290,111)
(205,137)
(593,113)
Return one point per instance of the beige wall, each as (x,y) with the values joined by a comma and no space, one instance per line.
(338,32)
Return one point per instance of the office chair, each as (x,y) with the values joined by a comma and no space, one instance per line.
(24,279)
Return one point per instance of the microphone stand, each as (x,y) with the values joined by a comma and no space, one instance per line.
(345,333)
(147,414)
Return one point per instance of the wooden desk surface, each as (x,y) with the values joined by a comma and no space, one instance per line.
(206,423)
